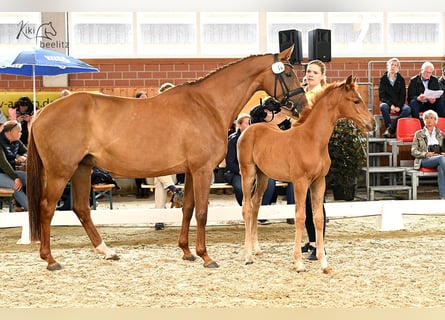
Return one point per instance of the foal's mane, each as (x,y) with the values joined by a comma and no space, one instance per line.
(192,82)
(317,97)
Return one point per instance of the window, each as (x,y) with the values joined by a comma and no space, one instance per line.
(166,34)
(229,34)
(101,34)
(357,34)
(416,34)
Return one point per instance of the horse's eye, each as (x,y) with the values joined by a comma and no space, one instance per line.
(288,74)
(356,101)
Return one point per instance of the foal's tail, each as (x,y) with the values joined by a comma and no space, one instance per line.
(34,186)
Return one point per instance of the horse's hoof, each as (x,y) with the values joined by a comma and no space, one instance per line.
(189,258)
(248,262)
(327,270)
(259,254)
(114,257)
(54,266)
(212,265)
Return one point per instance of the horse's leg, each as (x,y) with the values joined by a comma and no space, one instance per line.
(187,213)
(261,185)
(248,178)
(51,194)
(300,191)
(81,186)
(201,188)
(317,193)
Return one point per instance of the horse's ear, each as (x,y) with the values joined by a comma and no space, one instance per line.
(350,81)
(285,54)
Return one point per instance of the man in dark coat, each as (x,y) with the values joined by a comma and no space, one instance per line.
(417,100)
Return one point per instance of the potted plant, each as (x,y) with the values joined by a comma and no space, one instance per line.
(347,148)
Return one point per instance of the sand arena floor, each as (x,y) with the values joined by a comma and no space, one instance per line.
(371,269)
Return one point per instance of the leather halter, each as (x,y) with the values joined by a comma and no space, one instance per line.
(286,103)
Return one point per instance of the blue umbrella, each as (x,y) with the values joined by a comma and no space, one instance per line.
(42,62)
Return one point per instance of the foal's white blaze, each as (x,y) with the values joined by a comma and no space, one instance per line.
(102,248)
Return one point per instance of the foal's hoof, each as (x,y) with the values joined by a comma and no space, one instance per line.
(212,265)
(54,266)
(189,258)
(248,263)
(114,257)
(327,270)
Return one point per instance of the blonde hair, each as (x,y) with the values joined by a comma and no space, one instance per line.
(323,70)
(388,63)
(240,118)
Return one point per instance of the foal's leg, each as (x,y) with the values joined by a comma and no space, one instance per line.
(261,185)
(247,179)
(81,185)
(300,191)
(187,213)
(317,193)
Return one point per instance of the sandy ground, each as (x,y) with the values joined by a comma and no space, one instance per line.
(371,269)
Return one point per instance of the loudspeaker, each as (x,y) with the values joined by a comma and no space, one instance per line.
(288,38)
(319,45)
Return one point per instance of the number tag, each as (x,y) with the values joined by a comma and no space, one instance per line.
(278,67)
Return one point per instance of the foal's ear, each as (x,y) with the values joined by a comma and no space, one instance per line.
(350,81)
(285,54)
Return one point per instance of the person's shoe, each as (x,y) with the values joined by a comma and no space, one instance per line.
(18,209)
(313,255)
(159,226)
(392,132)
(263,221)
(290,221)
(387,134)
(307,247)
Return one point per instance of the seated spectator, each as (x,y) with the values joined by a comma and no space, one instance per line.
(232,175)
(427,149)
(392,95)
(13,152)
(23,111)
(416,88)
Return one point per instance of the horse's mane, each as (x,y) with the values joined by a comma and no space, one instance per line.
(317,97)
(221,68)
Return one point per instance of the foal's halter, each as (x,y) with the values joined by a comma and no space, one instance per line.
(286,103)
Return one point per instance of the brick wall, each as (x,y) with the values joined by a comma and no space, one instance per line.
(125,76)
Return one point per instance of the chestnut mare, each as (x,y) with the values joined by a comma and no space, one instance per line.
(299,155)
(181,130)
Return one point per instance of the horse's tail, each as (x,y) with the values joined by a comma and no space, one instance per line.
(34,187)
